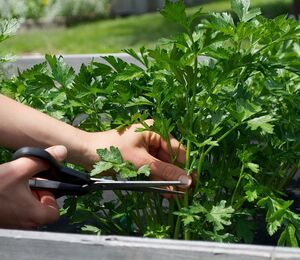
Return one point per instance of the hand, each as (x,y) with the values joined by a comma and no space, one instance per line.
(140,148)
(19,206)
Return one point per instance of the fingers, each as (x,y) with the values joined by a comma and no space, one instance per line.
(46,208)
(39,207)
(31,166)
(49,206)
(167,171)
(59,152)
(46,198)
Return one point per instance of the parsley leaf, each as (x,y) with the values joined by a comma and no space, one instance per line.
(220,215)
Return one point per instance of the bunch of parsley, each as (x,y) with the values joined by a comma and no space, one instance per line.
(227,88)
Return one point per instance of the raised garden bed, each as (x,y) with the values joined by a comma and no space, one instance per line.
(42,245)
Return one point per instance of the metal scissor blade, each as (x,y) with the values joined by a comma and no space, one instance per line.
(105,184)
(160,190)
(131,184)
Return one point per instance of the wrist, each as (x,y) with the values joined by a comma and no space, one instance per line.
(85,153)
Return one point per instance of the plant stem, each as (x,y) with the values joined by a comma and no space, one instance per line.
(167,133)
(154,214)
(237,185)
(187,166)
(177,228)
(221,138)
(138,221)
(199,170)
(186,194)
(158,206)
(146,216)
(171,216)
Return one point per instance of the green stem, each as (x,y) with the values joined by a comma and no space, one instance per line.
(187,155)
(158,206)
(187,235)
(237,185)
(167,134)
(110,226)
(177,228)
(186,194)
(178,203)
(152,212)
(221,138)
(146,216)
(199,170)
(239,203)
(138,222)
(171,216)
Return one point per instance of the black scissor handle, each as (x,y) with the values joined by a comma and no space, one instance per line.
(36,152)
(58,188)
(56,172)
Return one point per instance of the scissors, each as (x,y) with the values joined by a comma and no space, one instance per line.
(62,180)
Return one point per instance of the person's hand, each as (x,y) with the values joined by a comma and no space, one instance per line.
(19,206)
(140,148)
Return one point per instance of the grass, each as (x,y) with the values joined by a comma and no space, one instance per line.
(109,36)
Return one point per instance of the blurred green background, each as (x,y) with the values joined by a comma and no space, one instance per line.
(101,26)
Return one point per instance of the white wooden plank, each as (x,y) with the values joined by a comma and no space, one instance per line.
(16,244)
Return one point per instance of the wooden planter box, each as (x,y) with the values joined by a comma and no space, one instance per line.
(43,245)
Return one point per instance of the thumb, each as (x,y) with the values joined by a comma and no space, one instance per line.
(31,166)
(58,152)
(167,171)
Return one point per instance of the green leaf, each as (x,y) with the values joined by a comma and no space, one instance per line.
(175,11)
(112,155)
(61,72)
(288,237)
(277,212)
(243,109)
(126,171)
(191,214)
(100,167)
(208,142)
(112,159)
(262,122)
(253,167)
(8,27)
(157,231)
(116,63)
(251,14)
(222,22)
(144,170)
(220,215)
(251,194)
(131,73)
(188,220)
(139,101)
(89,229)
(241,8)
(138,56)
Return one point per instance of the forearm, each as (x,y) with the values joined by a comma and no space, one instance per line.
(21,125)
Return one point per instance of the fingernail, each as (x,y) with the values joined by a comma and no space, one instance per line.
(185,180)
